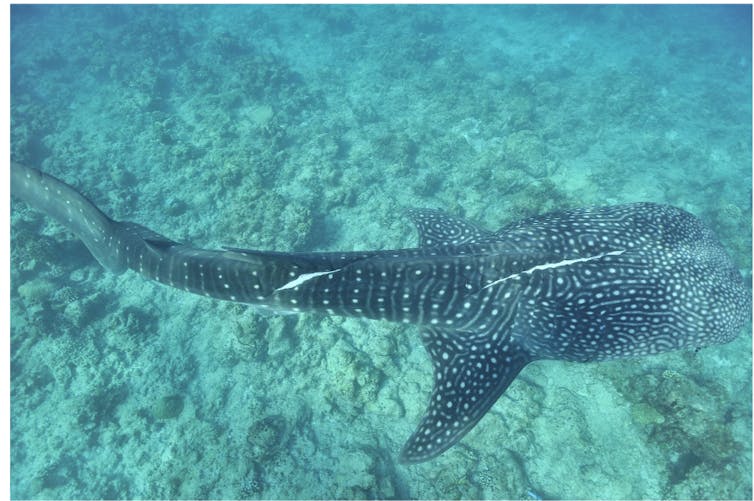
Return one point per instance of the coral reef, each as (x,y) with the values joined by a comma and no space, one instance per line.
(167,407)
(312,128)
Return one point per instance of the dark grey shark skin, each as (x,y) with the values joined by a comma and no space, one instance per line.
(581,285)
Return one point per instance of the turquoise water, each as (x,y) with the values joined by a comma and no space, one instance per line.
(313,128)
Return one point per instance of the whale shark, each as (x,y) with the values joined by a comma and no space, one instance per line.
(582,285)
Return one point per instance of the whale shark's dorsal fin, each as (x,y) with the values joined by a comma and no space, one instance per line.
(153,241)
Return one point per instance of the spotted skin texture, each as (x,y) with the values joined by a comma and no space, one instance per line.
(581,285)
(622,281)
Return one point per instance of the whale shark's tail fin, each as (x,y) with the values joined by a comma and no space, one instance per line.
(70,208)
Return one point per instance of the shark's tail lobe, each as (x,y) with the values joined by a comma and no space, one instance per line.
(70,208)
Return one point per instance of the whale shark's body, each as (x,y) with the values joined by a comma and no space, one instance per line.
(581,285)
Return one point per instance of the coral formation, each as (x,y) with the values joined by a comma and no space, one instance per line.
(301,128)
(167,407)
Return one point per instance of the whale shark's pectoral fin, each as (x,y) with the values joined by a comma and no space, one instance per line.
(471,372)
(436,227)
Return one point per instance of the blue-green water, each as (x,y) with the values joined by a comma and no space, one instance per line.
(313,128)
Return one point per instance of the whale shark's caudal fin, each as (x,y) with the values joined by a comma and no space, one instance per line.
(471,371)
(70,208)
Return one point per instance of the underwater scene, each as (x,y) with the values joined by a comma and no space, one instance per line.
(318,128)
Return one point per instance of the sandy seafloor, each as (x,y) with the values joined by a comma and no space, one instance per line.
(313,128)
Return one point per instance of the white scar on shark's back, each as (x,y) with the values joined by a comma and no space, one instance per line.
(304,277)
(559,264)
